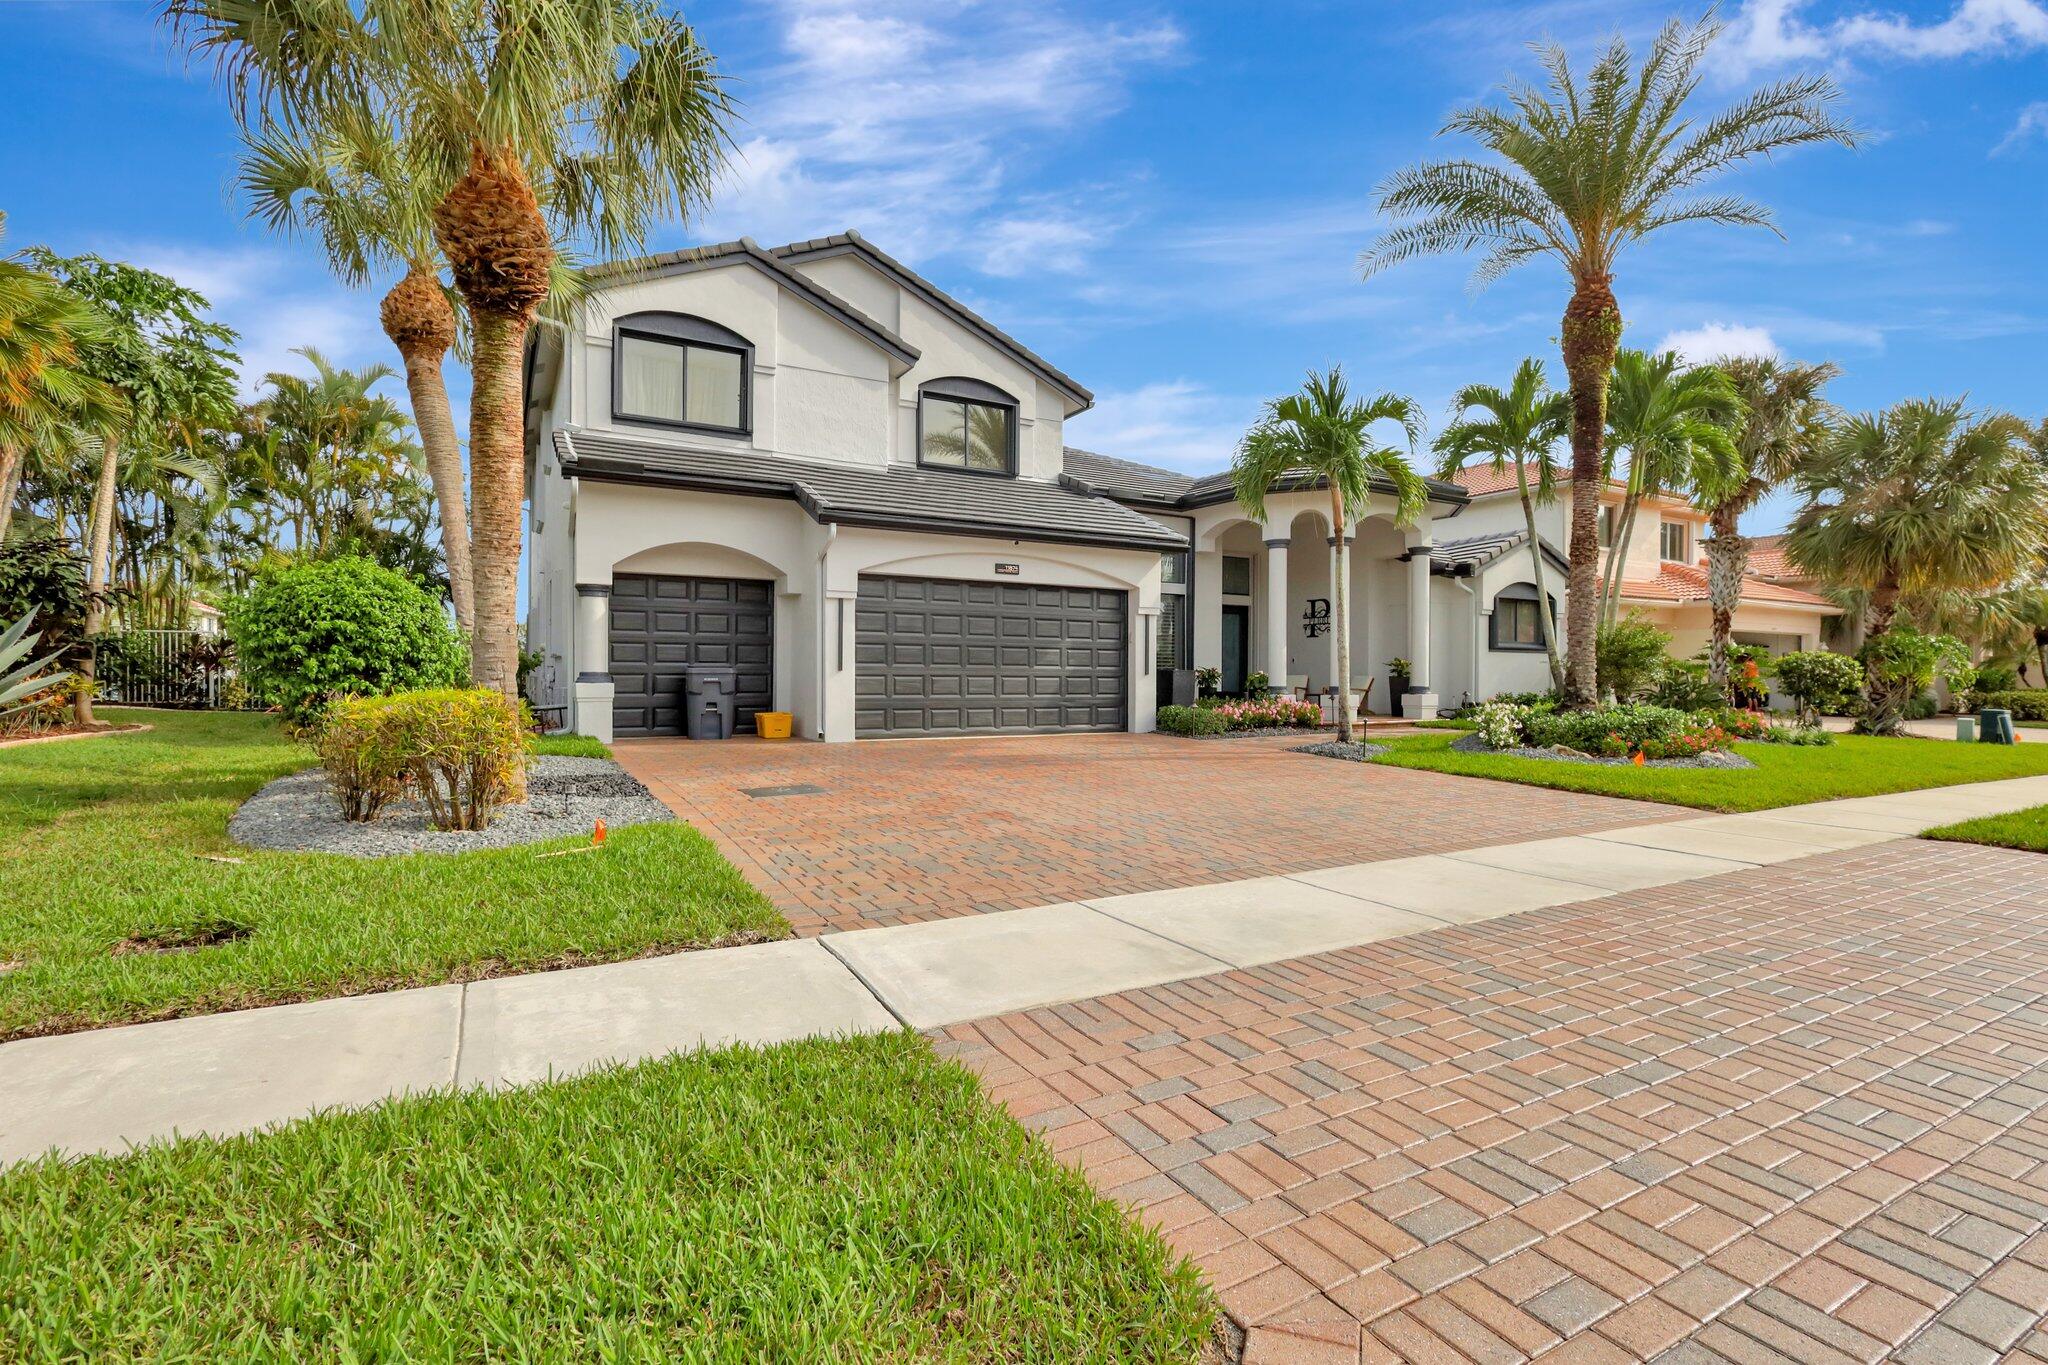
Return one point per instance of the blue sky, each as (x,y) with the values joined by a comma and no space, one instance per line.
(1168,199)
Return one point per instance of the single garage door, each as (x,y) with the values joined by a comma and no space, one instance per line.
(661,622)
(939,657)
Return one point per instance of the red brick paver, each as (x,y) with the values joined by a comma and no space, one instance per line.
(1797,1113)
(910,830)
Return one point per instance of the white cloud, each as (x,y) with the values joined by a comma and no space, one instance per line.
(1177,423)
(1772,33)
(2032,123)
(1719,341)
(906,120)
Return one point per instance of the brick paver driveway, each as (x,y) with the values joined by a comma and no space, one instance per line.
(1798,1113)
(907,830)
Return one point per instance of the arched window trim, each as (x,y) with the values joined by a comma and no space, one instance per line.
(1499,625)
(686,330)
(961,389)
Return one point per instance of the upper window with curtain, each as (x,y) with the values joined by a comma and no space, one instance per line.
(967,425)
(671,369)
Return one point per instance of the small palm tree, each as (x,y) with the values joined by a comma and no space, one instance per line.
(349,185)
(1519,427)
(1583,170)
(1924,499)
(1673,422)
(1784,420)
(546,120)
(1322,433)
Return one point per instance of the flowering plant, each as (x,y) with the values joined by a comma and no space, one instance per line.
(1273,712)
(1500,724)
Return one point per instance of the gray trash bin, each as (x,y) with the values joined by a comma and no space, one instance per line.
(707,701)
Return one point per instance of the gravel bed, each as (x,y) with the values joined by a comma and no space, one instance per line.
(564,795)
(1264,731)
(1357,750)
(1472,744)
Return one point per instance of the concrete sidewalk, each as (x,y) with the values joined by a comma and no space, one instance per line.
(109,1089)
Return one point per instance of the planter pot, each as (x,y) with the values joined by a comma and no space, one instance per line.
(1177,687)
(1397,687)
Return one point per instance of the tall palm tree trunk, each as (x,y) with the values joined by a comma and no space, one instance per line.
(1341,572)
(1591,337)
(1727,562)
(421,325)
(497,244)
(99,568)
(10,480)
(1546,622)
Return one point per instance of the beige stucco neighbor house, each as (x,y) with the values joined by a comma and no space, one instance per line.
(813,465)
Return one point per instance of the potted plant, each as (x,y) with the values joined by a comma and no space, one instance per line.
(1208,681)
(1398,673)
(1257,685)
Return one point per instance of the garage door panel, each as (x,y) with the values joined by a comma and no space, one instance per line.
(1017,657)
(662,622)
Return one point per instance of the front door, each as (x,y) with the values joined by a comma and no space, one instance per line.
(1237,623)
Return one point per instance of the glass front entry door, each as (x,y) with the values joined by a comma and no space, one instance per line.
(1236,634)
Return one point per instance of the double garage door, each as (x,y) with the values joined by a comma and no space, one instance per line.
(939,657)
(662,623)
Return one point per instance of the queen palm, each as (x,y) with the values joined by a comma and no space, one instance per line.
(1518,427)
(1784,420)
(1324,433)
(1583,170)
(1673,422)
(348,184)
(1925,499)
(592,118)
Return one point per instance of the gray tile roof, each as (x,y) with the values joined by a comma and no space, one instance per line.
(1462,558)
(898,497)
(770,262)
(851,241)
(1132,482)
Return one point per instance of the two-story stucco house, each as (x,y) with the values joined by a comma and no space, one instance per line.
(813,464)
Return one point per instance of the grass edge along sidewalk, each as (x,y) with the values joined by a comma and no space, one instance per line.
(123,900)
(2024,829)
(817,1200)
(1784,775)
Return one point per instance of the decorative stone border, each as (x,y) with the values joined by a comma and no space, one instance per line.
(76,734)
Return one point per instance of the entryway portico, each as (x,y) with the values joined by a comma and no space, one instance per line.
(1279,573)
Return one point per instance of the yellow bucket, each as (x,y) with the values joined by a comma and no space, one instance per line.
(772,724)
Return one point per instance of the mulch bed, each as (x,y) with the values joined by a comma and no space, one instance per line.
(8,741)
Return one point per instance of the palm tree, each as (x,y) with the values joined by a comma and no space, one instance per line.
(1322,432)
(1519,427)
(1924,499)
(43,391)
(1784,420)
(546,119)
(1583,170)
(349,185)
(337,452)
(1673,422)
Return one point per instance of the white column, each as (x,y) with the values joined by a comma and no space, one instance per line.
(593,688)
(1421,700)
(1273,614)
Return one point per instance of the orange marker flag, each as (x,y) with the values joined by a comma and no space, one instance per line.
(597,834)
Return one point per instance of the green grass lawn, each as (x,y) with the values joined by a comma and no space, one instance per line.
(110,843)
(822,1200)
(1785,775)
(2026,829)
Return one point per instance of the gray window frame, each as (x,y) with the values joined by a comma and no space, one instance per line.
(681,330)
(1223,573)
(1517,592)
(960,389)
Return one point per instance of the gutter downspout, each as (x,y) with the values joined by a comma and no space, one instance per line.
(1472,593)
(832,619)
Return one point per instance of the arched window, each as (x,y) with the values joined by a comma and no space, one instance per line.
(967,425)
(674,370)
(1516,624)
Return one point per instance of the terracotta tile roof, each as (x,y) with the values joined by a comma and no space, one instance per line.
(1768,558)
(1688,583)
(1479,480)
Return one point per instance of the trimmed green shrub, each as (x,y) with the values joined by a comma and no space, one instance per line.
(1190,720)
(1997,678)
(363,766)
(464,751)
(1818,680)
(1899,666)
(44,575)
(2030,703)
(1630,656)
(1684,686)
(308,633)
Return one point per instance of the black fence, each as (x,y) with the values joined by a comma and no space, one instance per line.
(187,668)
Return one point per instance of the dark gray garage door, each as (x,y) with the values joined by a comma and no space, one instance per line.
(937,657)
(660,623)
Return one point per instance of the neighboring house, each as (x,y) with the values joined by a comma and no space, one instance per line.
(1773,563)
(1665,576)
(813,464)
(205,616)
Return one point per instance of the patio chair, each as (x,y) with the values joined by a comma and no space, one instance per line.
(1297,686)
(1362,689)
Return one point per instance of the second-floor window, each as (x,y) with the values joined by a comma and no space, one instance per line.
(966,424)
(1676,542)
(1607,528)
(681,371)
